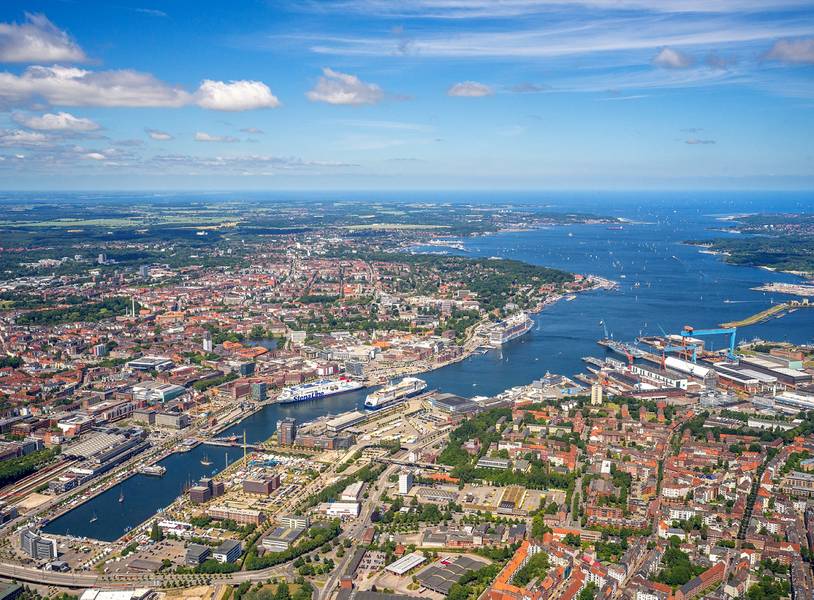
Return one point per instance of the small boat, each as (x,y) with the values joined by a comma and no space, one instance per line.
(94,518)
(121,496)
(205,461)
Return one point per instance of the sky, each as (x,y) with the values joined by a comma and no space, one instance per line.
(406,94)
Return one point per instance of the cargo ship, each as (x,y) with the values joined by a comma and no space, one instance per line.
(390,394)
(315,390)
(513,327)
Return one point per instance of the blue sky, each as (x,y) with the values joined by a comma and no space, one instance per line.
(381,94)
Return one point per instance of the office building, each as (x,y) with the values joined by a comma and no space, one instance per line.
(405,482)
(37,546)
(295,521)
(228,551)
(196,554)
(259,391)
(286,431)
(596,395)
(207,342)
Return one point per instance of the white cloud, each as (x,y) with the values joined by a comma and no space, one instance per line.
(37,40)
(669,58)
(470,89)
(158,135)
(793,51)
(61,121)
(20,138)
(69,86)
(699,142)
(235,95)
(202,136)
(252,130)
(334,87)
(94,156)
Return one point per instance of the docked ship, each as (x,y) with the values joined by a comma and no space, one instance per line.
(393,393)
(620,348)
(509,329)
(315,390)
(154,470)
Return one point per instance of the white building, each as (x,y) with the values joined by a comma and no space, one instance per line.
(596,395)
(341,509)
(353,493)
(405,482)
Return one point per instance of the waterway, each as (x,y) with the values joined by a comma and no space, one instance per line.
(663,284)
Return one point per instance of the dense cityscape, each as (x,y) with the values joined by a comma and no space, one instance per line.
(399,299)
(675,465)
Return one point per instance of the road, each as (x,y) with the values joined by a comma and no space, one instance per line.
(355,531)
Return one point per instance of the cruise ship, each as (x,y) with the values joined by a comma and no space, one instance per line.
(513,327)
(390,394)
(315,390)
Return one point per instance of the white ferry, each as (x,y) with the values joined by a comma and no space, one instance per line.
(315,390)
(513,327)
(390,394)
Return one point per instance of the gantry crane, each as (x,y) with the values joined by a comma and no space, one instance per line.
(689,331)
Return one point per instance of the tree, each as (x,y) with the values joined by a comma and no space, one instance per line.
(155,533)
(588,592)
(282,592)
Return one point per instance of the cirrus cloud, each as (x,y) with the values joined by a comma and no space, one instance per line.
(470,89)
(37,40)
(334,87)
(235,95)
(62,121)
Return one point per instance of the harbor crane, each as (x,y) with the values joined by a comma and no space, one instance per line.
(689,331)
(683,350)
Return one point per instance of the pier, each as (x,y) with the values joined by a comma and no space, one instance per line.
(777,311)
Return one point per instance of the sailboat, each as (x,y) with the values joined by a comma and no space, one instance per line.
(205,461)
(94,518)
(121,496)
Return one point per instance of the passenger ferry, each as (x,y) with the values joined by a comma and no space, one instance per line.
(315,390)
(513,327)
(390,394)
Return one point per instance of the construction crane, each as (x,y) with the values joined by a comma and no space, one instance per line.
(689,331)
(683,350)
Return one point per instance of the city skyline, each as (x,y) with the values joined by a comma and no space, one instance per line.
(423,94)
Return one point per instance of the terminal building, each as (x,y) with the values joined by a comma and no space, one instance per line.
(337,424)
